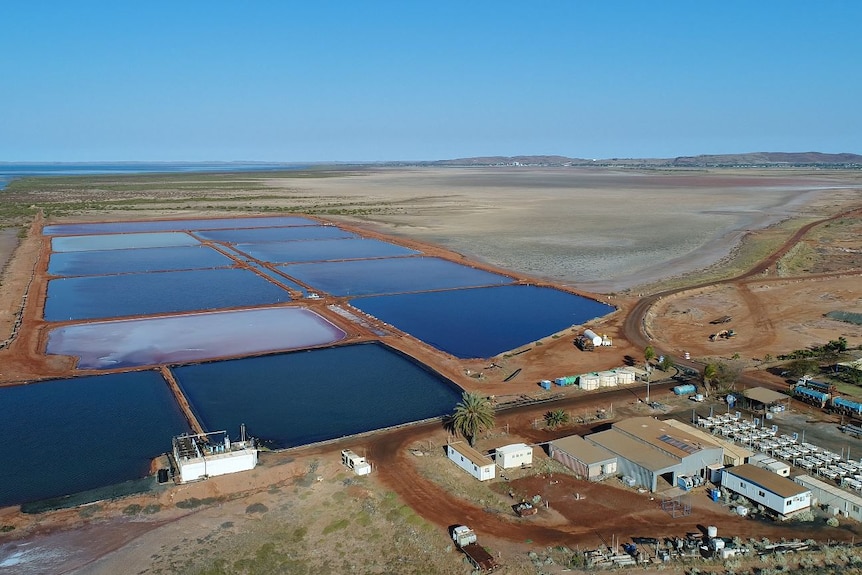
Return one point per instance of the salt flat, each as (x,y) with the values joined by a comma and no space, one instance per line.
(602,230)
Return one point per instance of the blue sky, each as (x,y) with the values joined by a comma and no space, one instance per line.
(369,81)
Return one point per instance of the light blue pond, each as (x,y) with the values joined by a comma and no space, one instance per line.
(303,397)
(121,242)
(66,436)
(394,275)
(485,322)
(102,262)
(317,232)
(99,297)
(322,250)
(175,225)
(195,337)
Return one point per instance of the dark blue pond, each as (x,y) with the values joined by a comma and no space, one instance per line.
(303,397)
(66,436)
(250,236)
(483,322)
(175,225)
(122,241)
(136,260)
(394,275)
(158,292)
(322,250)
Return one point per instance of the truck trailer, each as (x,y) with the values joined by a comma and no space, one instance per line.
(465,539)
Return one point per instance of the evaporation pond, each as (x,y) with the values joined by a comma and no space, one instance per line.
(262,235)
(390,275)
(121,241)
(158,293)
(127,343)
(103,262)
(175,225)
(322,250)
(484,322)
(71,435)
(303,397)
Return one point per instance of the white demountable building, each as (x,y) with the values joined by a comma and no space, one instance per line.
(471,460)
(514,455)
(769,489)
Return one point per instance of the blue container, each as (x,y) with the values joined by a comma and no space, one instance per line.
(545,384)
(715,494)
(560,381)
(684,389)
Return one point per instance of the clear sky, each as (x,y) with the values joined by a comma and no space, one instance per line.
(408,80)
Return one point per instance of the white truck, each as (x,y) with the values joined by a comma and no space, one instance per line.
(465,539)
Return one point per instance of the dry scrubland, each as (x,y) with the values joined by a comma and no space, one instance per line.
(606,231)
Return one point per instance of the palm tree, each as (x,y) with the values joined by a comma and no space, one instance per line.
(556,418)
(472,416)
(710,374)
(649,354)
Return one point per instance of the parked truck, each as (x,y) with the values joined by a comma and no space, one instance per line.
(358,464)
(465,539)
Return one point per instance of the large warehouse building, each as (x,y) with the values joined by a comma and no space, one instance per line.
(655,454)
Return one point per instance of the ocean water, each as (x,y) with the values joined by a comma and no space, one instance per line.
(303,397)
(101,297)
(390,275)
(66,436)
(192,337)
(9,171)
(483,322)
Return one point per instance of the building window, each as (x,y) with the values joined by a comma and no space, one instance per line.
(761,493)
(855,509)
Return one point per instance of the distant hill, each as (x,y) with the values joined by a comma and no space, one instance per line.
(754,159)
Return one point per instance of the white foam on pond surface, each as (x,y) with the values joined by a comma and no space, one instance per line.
(191,337)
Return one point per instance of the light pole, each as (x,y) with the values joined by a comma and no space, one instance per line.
(648,377)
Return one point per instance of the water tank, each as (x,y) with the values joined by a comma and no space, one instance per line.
(163,475)
(593,336)
(741,510)
(686,389)
(712,531)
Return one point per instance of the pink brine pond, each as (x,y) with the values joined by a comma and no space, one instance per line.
(191,337)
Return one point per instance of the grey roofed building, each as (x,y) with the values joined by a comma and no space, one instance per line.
(648,450)
(586,459)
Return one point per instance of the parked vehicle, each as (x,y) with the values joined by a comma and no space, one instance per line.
(466,540)
(525,509)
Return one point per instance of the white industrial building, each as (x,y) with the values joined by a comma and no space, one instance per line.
(734,454)
(588,461)
(514,455)
(779,494)
(764,461)
(471,460)
(839,501)
(655,454)
(210,454)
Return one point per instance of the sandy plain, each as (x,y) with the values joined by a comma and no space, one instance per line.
(614,233)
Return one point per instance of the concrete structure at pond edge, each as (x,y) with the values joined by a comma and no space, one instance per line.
(588,461)
(733,454)
(839,501)
(514,455)
(779,494)
(197,457)
(648,449)
(471,460)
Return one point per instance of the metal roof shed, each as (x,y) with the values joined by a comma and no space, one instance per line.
(586,459)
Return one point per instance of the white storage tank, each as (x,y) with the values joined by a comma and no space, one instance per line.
(624,377)
(607,379)
(711,531)
(594,337)
(588,381)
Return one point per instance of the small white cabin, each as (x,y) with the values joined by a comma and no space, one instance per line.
(514,455)
(352,461)
(470,460)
